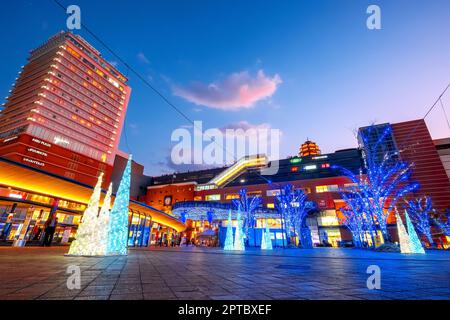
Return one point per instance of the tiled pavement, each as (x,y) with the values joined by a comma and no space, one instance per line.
(194,273)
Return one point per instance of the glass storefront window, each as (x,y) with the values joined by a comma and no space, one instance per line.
(212,197)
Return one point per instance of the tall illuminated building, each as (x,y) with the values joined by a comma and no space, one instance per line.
(65,113)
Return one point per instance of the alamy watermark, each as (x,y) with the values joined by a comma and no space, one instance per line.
(74,19)
(373,22)
(222,147)
(74,280)
(374,280)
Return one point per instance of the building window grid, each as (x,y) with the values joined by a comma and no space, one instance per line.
(13,125)
(78,91)
(72,78)
(87,102)
(95,58)
(74,128)
(79,65)
(98,92)
(14,99)
(9,114)
(48,135)
(63,110)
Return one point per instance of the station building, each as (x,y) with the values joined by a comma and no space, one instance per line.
(204,197)
(211,192)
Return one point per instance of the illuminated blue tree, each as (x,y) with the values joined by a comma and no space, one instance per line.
(353,220)
(305,237)
(247,205)
(118,222)
(420,210)
(294,207)
(387,180)
(357,218)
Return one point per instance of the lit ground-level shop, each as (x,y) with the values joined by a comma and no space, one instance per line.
(29,195)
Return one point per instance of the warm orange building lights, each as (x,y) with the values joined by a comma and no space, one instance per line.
(66,111)
(309,148)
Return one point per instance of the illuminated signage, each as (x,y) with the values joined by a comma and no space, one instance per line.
(325,165)
(295,160)
(60,140)
(272,193)
(15,196)
(319,157)
(310,167)
(205,187)
(294,169)
(38,152)
(41,164)
(212,197)
(41,142)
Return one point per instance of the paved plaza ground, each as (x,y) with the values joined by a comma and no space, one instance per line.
(203,273)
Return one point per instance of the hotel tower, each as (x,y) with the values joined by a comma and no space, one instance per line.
(65,112)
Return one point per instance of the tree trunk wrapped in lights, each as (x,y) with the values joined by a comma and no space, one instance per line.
(386,181)
(306,238)
(247,205)
(84,243)
(118,222)
(294,206)
(420,210)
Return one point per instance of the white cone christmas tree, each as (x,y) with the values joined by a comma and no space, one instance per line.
(415,244)
(229,237)
(101,236)
(403,235)
(263,240)
(84,244)
(239,244)
(266,243)
(118,219)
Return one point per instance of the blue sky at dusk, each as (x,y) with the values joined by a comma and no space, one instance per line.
(310,68)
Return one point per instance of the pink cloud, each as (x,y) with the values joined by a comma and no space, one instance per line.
(237,91)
